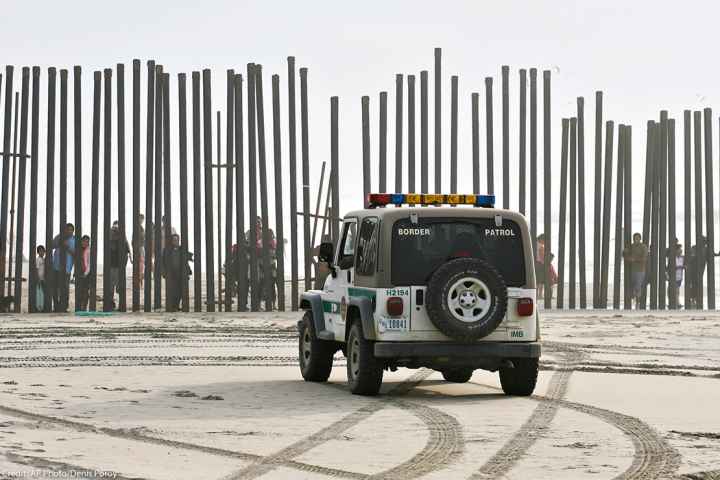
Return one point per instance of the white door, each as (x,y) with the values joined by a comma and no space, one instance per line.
(336,286)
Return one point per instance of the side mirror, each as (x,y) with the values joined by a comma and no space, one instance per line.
(326,252)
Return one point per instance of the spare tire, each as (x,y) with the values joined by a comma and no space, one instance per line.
(466,299)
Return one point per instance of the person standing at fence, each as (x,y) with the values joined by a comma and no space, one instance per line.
(636,254)
(40,268)
(139,252)
(119,254)
(63,244)
(545,275)
(174,268)
(259,247)
(691,271)
(82,278)
(676,274)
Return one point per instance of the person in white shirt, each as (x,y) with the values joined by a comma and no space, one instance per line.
(40,267)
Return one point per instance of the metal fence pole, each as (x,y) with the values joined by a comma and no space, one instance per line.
(398,131)
(122,301)
(424,188)
(207,144)
(335,167)
(489,135)
(305,174)
(63,284)
(411,133)
(582,259)
(607,199)
(240,198)
(365,107)
(547,161)
(572,234)
(13,181)
(533,158)
(663,241)
(77,150)
(710,215)
(252,190)
(563,214)
(167,205)
(21,186)
(382,154)
(149,167)
(627,204)
(292,153)
(182,154)
(277,156)
(453,132)
(598,180)
(438,120)
(505,73)
(648,199)
(108,300)
(655,219)
(158,234)
(137,227)
(697,124)
(475,101)
(267,286)
(618,217)
(218,209)
(34,137)
(95,187)
(523,140)
(50,187)
(687,204)
(7,130)
(197,193)
(229,178)
(672,250)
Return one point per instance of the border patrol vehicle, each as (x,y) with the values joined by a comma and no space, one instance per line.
(451,288)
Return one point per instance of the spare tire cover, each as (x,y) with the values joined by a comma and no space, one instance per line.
(466,299)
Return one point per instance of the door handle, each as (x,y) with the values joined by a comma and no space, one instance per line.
(349,276)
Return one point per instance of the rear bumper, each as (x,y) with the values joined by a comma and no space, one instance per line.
(499,350)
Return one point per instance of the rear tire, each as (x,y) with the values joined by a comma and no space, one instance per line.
(457,375)
(521,380)
(364,372)
(316,356)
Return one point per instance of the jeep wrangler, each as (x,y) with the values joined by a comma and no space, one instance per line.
(450,288)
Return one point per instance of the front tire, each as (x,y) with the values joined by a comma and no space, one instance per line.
(364,372)
(457,375)
(316,356)
(521,380)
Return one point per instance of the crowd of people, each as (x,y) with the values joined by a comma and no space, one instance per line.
(689,267)
(56,273)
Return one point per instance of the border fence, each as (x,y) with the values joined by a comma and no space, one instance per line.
(250,269)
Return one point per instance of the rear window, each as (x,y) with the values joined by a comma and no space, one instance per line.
(419,249)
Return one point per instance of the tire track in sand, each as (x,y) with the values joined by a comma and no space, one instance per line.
(332,431)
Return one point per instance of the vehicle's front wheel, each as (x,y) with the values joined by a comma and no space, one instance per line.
(520,380)
(364,372)
(315,355)
(457,375)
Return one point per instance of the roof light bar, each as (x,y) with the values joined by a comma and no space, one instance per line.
(383,199)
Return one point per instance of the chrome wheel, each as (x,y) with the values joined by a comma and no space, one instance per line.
(354,357)
(469,299)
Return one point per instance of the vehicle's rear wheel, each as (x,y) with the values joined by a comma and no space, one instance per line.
(364,372)
(316,356)
(457,375)
(520,380)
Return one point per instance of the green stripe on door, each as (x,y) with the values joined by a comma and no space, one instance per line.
(331,307)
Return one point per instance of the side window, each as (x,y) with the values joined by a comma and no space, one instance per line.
(347,247)
(367,247)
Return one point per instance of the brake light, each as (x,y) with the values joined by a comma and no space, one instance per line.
(395,306)
(525,307)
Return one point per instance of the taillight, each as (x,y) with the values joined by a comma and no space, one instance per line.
(525,307)
(395,306)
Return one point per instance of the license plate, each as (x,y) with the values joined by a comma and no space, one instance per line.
(393,325)
(516,334)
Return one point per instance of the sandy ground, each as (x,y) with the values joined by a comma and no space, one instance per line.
(632,396)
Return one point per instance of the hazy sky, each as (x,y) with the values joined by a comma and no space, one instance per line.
(644,55)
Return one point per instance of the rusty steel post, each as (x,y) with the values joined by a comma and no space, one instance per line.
(95,184)
(77,150)
(252,189)
(218,209)
(663,240)
(365,107)
(607,199)
(505,74)
(582,260)
(382,154)
(63,284)
(453,133)
(672,251)
(305,147)
(627,204)
(687,204)
(158,245)
(489,135)
(573,227)
(13,181)
(648,199)
(50,186)
(398,131)
(182,154)
(7,131)
(136,188)
(411,133)
(197,194)
(229,177)
(167,205)
(122,301)
(424,188)
(149,167)
(475,102)
(533,158)
(279,231)
(108,303)
(697,124)
(21,187)
(547,162)
(240,197)
(709,210)
(34,138)
(618,217)
(438,120)
(292,153)
(655,221)
(597,217)
(334,167)
(563,214)
(268,285)
(207,160)
(522,140)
